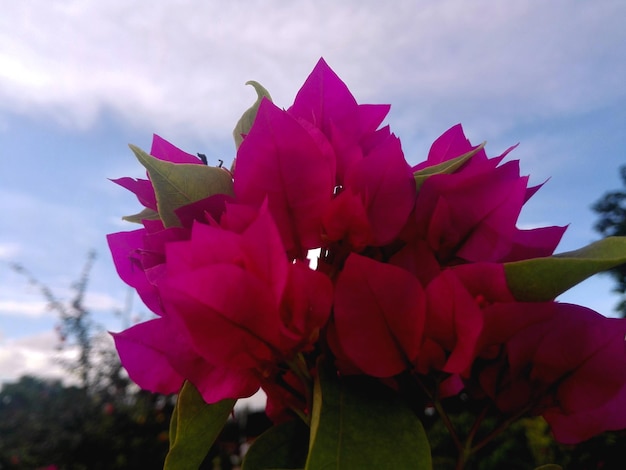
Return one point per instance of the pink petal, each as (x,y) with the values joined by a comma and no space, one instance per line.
(218,383)
(534,243)
(326,102)
(453,320)
(449,145)
(385,182)
(285,163)
(212,207)
(371,116)
(578,427)
(144,354)
(163,150)
(265,253)
(417,258)
(141,188)
(379,316)
(346,218)
(306,306)
(207,245)
(471,215)
(591,363)
(485,281)
(226,326)
(324,98)
(125,248)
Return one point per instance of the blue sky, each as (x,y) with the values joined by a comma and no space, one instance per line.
(79,80)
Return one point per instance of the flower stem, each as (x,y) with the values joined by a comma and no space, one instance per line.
(301,414)
(466,452)
(299,368)
(448,424)
(505,424)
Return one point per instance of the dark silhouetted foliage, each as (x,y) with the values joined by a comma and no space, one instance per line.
(611,209)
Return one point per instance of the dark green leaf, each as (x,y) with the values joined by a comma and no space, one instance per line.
(550,466)
(543,279)
(195,426)
(359,423)
(449,166)
(146,214)
(177,185)
(245,122)
(284,446)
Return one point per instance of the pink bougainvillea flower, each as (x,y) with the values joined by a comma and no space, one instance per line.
(470,215)
(231,303)
(563,361)
(233,291)
(326,102)
(378,196)
(379,314)
(292,166)
(239,301)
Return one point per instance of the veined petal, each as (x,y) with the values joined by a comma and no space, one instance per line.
(449,145)
(306,307)
(324,98)
(143,350)
(379,316)
(534,243)
(163,150)
(125,248)
(453,320)
(346,217)
(230,315)
(141,188)
(385,183)
(266,256)
(284,163)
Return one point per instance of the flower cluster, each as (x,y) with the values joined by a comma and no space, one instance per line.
(411,277)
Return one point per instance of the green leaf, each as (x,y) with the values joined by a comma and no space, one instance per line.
(177,185)
(194,427)
(281,447)
(449,166)
(146,214)
(549,466)
(359,423)
(245,122)
(543,279)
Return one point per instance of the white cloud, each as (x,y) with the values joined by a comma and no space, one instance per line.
(27,308)
(23,308)
(97,301)
(32,355)
(9,250)
(180,66)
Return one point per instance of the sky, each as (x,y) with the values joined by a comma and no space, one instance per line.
(79,80)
